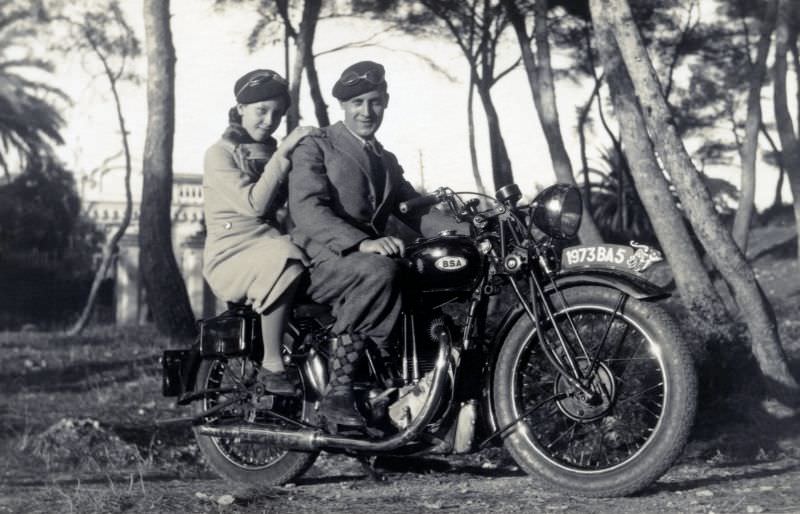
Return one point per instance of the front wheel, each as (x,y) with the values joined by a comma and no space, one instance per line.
(244,462)
(632,429)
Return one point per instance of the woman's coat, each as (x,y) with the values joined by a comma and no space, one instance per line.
(246,257)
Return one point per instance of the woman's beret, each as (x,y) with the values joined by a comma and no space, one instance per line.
(260,85)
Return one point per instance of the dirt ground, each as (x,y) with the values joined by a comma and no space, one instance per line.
(769,486)
(77,435)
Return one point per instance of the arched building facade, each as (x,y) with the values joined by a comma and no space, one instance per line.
(105,206)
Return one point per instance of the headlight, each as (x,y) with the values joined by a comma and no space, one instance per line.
(557,211)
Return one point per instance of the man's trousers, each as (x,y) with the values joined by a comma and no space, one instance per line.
(363,292)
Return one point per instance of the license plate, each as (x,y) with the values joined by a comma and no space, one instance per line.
(634,258)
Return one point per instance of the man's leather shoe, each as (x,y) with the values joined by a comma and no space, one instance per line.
(276,382)
(338,407)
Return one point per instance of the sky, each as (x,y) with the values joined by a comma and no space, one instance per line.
(425,124)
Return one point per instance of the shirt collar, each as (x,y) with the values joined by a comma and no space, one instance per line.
(367,143)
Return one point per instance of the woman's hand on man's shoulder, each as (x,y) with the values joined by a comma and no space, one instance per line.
(295,136)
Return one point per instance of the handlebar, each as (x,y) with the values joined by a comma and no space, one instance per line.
(464,211)
(420,203)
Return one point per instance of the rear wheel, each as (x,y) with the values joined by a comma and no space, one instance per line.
(629,432)
(253,463)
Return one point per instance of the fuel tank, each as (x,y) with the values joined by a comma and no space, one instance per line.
(448,262)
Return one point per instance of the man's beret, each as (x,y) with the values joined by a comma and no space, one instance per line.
(260,85)
(359,78)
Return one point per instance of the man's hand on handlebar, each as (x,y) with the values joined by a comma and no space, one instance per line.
(389,246)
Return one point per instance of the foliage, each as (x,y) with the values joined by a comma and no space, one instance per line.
(99,29)
(40,212)
(615,203)
(702,63)
(618,210)
(47,247)
(268,27)
(30,123)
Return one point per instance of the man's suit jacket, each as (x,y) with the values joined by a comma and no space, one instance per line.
(333,203)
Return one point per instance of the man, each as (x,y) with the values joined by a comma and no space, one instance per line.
(344,190)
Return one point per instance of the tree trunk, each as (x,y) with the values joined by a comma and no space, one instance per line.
(289,34)
(691,278)
(166,291)
(501,164)
(304,60)
(111,248)
(308,27)
(540,79)
(778,201)
(694,196)
(473,153)
(286,44)
(295,81)
(749,148)
(793,49)
(479,46)
(788,137)
(583,117)
(320,107)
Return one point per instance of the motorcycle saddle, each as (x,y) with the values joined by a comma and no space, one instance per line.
(304,308)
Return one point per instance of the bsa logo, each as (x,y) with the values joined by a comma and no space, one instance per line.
(450,263)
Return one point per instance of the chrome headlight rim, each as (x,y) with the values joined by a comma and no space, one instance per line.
(557,211)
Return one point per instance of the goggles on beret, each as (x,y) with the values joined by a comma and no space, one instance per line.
(373,76)
(262,78)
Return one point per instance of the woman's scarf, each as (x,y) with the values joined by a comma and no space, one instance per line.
(249,154)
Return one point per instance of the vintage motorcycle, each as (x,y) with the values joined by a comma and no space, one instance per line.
(585,380)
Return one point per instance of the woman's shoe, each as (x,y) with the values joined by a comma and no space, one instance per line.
(276,382)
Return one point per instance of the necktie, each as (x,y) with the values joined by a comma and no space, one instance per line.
(376,168)
(372,146)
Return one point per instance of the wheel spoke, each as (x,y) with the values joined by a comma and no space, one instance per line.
(645,407)
(639,394)
(570,430)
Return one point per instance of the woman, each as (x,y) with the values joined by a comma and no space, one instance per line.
(246,256)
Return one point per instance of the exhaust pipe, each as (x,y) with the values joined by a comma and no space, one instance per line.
(309,440)
(291,439)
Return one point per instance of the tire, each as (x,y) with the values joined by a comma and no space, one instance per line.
(616,445)
(243,462)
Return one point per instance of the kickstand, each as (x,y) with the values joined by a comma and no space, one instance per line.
(368,463)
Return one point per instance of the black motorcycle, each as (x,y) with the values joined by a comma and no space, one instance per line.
(585,380)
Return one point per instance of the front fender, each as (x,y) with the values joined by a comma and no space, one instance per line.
(632,285)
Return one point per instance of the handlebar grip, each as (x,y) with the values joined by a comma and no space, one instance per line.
(419,203)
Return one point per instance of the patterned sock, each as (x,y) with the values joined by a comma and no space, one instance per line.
(345,355)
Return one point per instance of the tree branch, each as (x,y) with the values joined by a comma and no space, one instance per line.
(507,70)
(364,43)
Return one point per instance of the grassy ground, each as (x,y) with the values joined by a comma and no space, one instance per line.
(77,434)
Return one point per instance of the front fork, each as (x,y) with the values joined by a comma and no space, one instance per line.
(567,365)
